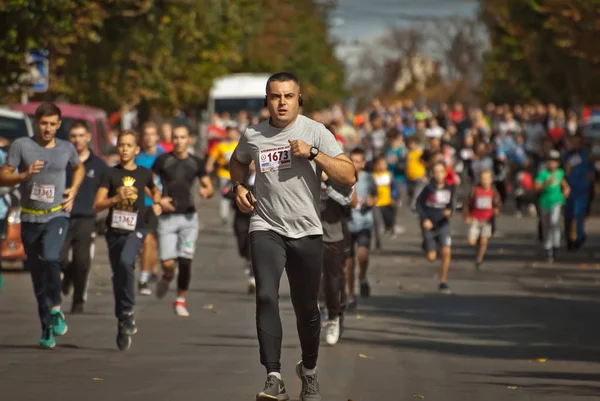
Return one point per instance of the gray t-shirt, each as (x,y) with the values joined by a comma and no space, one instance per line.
(362,215)
(287,188)
(44,190)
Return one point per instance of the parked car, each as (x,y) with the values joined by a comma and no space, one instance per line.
(96,119)
(13,125)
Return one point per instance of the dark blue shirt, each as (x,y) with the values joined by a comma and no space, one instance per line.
(432,202)
(578,169)
(84,201)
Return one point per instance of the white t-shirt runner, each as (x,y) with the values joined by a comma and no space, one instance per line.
(287,188)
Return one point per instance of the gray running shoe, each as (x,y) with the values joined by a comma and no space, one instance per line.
(310,385)
(274,390)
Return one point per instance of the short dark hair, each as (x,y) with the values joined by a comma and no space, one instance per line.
(129,132)
(282,77)
(358,152)
(47,109)
(149,124)
(187,129)
(80,124)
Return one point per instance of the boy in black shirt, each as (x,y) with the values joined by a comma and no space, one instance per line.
(435,204)
(122,191)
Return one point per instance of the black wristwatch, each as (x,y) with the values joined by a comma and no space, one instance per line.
(313,153)
(234,187)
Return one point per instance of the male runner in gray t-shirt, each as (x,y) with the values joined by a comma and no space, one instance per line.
(39,165)
(290,152)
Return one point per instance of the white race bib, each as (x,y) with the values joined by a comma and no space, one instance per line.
(442,196)
(124,220)
(42,193)
(275,159)
(575,160)
(483,202)
(383,179)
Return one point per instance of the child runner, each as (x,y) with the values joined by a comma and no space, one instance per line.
(122,191)
(553,188)
(360,226)
(482,204)
(580,175)
(386,198)
(435,204)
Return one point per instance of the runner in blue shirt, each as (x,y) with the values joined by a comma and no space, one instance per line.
(150,150)
(579,174)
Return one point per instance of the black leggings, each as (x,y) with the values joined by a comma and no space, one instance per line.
(334,277)
(303,260)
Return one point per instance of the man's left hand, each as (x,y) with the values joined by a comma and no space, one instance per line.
(69,199)
(300,148)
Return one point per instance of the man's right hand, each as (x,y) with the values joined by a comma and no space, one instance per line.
(35,168)
(427,225)
(166,205)
(241,199)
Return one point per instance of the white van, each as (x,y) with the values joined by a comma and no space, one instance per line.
(14,124)
(237,92)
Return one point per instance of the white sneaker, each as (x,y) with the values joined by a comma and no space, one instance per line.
(180,308)
(162,287)
(251,285)
(332,331)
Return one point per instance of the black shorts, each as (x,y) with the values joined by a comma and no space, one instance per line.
(437,238)
(359,239)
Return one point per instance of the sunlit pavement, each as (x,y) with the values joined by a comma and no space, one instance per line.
(517,330)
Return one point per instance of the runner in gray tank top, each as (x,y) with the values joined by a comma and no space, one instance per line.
(40,164)
(290,152)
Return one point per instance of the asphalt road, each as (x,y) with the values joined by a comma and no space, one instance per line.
(519,330)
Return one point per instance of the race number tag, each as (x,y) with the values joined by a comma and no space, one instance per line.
(575,160)
(124,220)
(42,193)
(383,179)
(483,202)
(275,159)
(442,197)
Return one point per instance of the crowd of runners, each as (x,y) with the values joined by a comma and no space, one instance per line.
(314,196)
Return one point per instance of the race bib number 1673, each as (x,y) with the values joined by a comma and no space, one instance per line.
(275,159)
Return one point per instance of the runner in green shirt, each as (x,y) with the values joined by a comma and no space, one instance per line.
(553,188)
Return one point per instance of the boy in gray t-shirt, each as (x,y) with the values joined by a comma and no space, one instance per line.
(39,165)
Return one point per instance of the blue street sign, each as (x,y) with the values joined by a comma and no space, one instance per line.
(37,78)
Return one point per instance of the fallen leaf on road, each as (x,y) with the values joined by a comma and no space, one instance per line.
(415,395)
(583,266)
(541,360)
(98,294)
(359,317)
(98,379)
(209,306)
(501,251)
(363,356)
(213,310)
(512,387)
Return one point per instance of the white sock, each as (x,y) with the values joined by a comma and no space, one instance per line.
(308,372)
(276,374)
(180,299)
(144,277)
(56,308)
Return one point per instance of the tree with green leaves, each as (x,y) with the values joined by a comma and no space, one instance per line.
(542,50)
